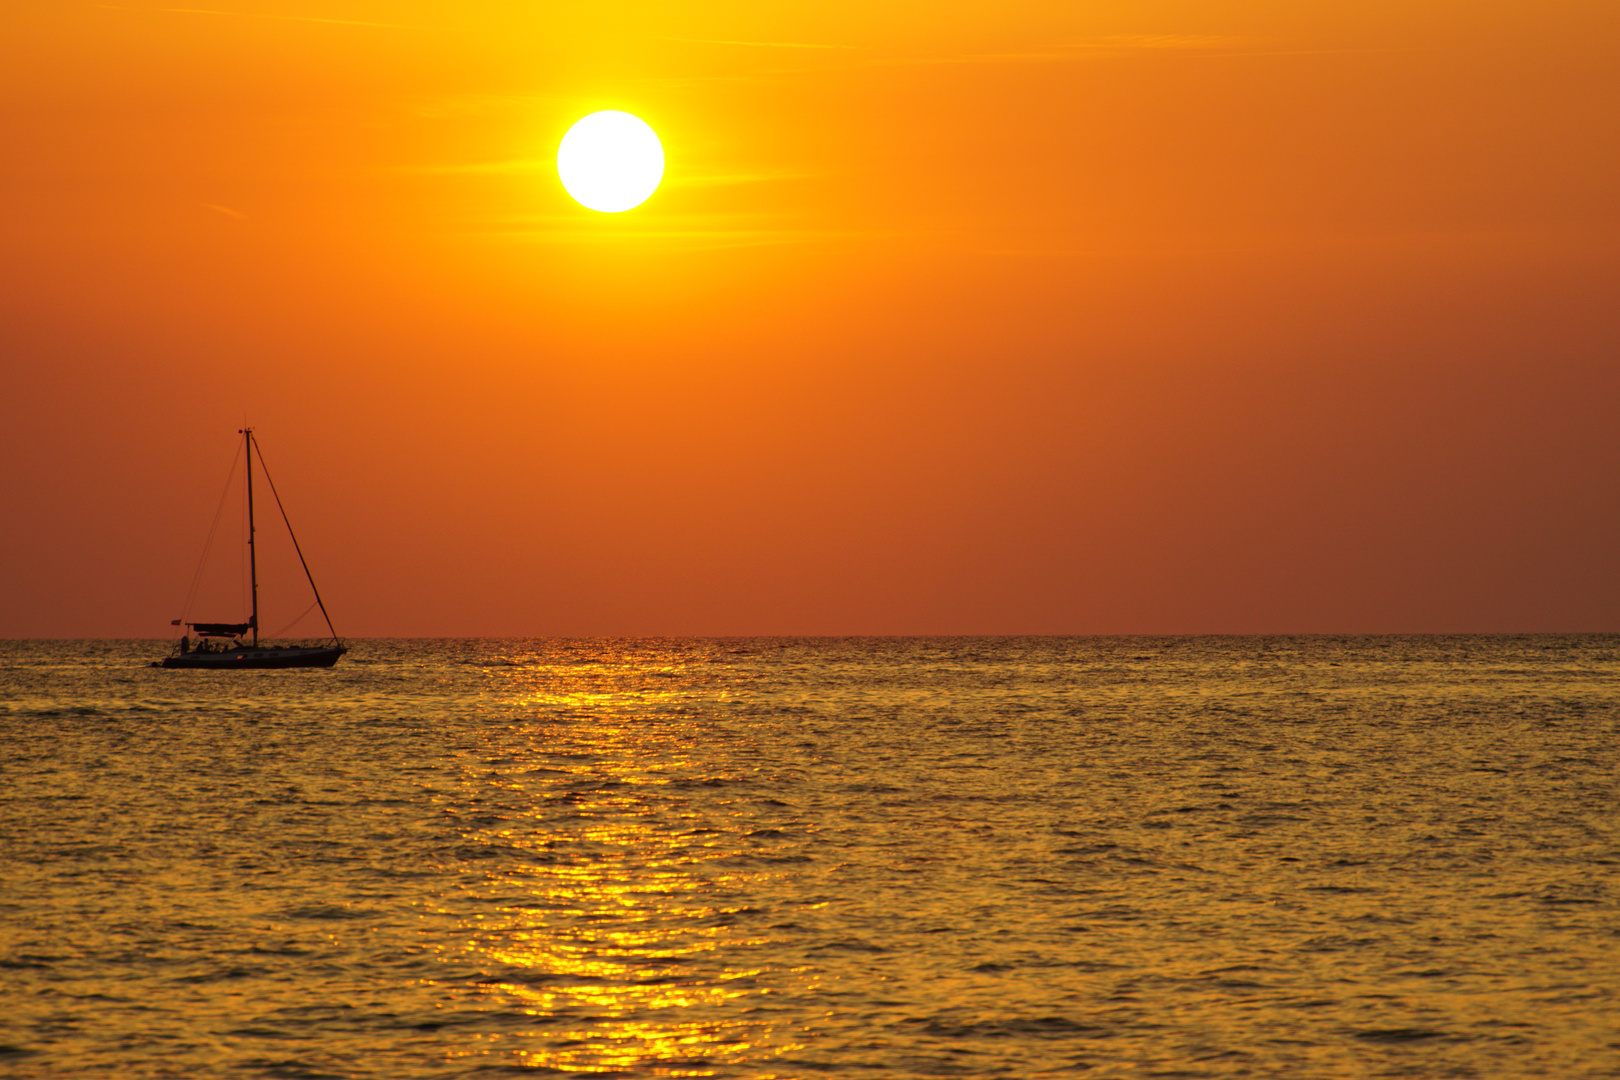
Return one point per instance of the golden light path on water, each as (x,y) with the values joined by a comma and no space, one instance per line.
(613,938)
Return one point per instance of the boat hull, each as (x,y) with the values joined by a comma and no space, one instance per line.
(250,659)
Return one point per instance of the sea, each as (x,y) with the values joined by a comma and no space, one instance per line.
(1291,857)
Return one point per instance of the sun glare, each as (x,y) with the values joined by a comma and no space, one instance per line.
(610,161)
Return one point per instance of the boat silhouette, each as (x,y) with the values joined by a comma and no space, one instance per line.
(220,646)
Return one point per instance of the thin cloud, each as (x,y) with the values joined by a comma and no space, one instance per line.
(256,15)
(1329,52)
(1190,44)
(1068,51)
(686,81)
(689,239)
(729,179)
(1161,41)
(687,232)
(750,44)
(485,167)
(447,106)
(226,210)
(1214,45)
(978,58)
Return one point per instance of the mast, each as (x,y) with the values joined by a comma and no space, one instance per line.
(253,561)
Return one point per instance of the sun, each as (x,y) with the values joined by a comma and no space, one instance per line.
(610,161)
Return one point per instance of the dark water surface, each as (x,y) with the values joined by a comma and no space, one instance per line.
(1130,857)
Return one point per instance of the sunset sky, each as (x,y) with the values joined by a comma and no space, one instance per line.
(1151,317)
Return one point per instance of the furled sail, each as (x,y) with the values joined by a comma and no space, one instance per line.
(221,629)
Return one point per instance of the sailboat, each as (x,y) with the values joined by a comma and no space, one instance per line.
(224,646)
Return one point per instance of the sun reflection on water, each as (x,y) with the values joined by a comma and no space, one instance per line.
(600,914)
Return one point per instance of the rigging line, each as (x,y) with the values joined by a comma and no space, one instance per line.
(208,545)
(292,624)
(285,520)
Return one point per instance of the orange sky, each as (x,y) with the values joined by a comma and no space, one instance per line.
(1053,318)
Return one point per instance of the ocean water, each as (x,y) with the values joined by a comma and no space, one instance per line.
(1301,857)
